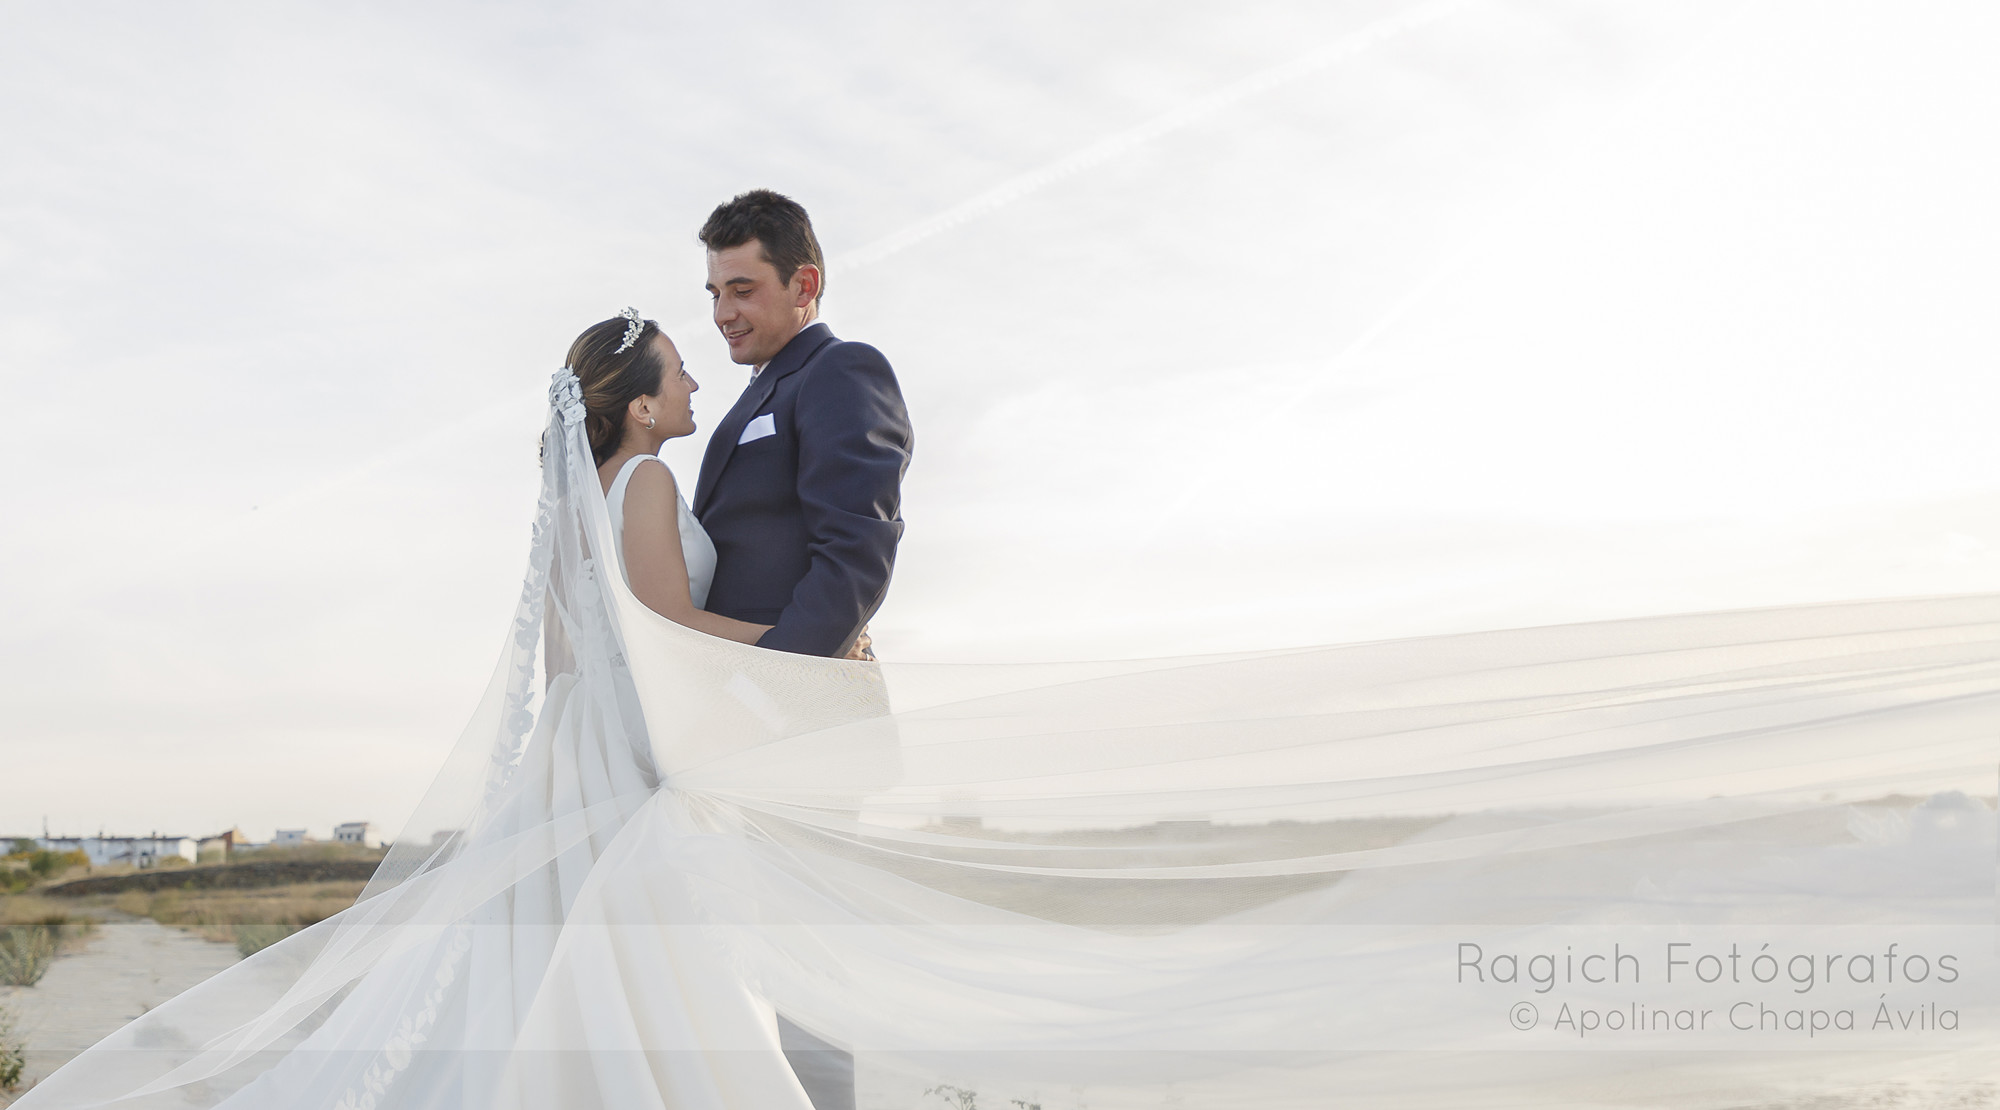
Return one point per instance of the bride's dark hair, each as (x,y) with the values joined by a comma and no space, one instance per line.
(611,380)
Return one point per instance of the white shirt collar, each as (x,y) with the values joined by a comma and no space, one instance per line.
(759,368)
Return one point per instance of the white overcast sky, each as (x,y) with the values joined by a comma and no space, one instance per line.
(1222,326)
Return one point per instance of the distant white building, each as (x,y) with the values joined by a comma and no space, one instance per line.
(289,838)
(141,851)
(354,832)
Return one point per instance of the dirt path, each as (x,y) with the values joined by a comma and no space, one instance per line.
(120,972)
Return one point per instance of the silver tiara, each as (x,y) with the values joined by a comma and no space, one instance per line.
(632,330)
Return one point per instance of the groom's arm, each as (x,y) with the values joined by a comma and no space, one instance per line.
(854,445)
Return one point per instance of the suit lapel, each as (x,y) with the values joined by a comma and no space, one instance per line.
(722,441)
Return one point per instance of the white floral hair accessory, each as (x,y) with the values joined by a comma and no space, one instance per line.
(566,396)
(632,330)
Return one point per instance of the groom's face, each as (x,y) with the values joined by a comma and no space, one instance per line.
(756,313)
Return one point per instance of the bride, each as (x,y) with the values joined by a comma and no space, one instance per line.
(1470,870)
(634,403)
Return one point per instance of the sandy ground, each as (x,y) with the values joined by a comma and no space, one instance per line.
(120,972)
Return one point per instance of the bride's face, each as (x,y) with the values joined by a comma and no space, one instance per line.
(672,408)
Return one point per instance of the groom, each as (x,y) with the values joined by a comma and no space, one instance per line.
(801,485)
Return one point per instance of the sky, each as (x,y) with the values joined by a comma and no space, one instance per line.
(1222,327)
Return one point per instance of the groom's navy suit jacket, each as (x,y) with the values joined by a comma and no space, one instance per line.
(805,520)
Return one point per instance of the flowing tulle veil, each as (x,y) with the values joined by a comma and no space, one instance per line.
(1404,870)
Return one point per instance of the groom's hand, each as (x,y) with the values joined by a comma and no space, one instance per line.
(863,650)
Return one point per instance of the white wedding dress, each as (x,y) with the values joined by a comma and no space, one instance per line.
(696,548)
(1441,872)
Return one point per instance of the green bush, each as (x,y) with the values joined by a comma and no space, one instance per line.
(26,952)
(13,1053)
(45,865)
(252,939)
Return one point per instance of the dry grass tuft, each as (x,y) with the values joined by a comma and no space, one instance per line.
(313,850)
(250,919)
(31,909)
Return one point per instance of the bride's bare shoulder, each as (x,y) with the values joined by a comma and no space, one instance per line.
(651,485)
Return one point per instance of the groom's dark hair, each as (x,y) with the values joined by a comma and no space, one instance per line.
(777,222)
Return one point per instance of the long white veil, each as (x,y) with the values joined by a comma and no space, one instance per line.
(1436,871)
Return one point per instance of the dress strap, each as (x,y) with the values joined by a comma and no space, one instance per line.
(624,476)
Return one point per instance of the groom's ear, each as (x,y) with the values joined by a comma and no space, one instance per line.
(806,279)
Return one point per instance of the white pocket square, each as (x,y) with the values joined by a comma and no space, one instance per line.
(765,425)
